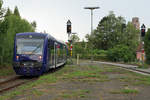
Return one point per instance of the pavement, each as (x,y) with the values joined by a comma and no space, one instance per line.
(133,67)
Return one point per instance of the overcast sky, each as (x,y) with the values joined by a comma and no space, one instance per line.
(52,15)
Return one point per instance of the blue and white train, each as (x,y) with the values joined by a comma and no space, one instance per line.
(36,53)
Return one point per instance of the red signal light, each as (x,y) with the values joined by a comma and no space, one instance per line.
(58,46)
(143,30)
(142,50)
(71,47)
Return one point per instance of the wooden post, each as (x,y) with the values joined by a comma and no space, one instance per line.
(77,59)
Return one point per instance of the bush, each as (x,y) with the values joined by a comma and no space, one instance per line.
(94,55)
(144,66)
(99,54)
(121,53)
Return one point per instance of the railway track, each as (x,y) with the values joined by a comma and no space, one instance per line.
(19,80)
(14,82)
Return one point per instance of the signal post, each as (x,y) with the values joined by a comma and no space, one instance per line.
(143,28)
(69,28)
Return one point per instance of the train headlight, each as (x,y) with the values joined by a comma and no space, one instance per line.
(32,64)
(17,57)
(40,57)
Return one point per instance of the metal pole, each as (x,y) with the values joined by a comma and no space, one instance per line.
(91,8)
(91,21)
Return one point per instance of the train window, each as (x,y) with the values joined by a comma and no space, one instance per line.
(58,53)
(61,50)
(52,53)
(29,46)
(48,43)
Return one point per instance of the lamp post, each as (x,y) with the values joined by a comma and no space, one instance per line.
(91,8)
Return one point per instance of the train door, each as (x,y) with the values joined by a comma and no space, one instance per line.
(51,60)
(55,55)
(58,53)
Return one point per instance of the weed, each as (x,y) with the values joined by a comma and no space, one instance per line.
(66,95)
(73,94)
(128,91)
(144,66)
(36,92)
(124,91)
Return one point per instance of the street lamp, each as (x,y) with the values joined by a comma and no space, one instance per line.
(74,33)
(91,8)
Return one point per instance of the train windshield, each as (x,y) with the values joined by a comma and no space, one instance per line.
(29,46)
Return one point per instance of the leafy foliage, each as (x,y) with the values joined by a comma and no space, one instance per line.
(74,38)
(112,31)
(8,13)
(11,24)
(16,12)
(79,48)
(109,32)
(120,53)
(2,10)
(34,25)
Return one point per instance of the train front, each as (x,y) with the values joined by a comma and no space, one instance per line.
(28,54)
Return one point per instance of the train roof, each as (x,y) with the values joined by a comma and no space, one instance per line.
(41,34)
(31,33)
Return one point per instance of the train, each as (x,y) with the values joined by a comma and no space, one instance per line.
(36,53)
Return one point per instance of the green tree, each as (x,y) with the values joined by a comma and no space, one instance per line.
(112,31)
(80,48)
(74,38)
(131,37)
(108,32)
(147,46)
(34,25)
(16,11)
(8,13)
(2,10)
(8,28)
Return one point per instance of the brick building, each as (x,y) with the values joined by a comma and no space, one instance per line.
(136,22)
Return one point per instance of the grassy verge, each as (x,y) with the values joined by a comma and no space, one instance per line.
(88,73)
(68,73)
